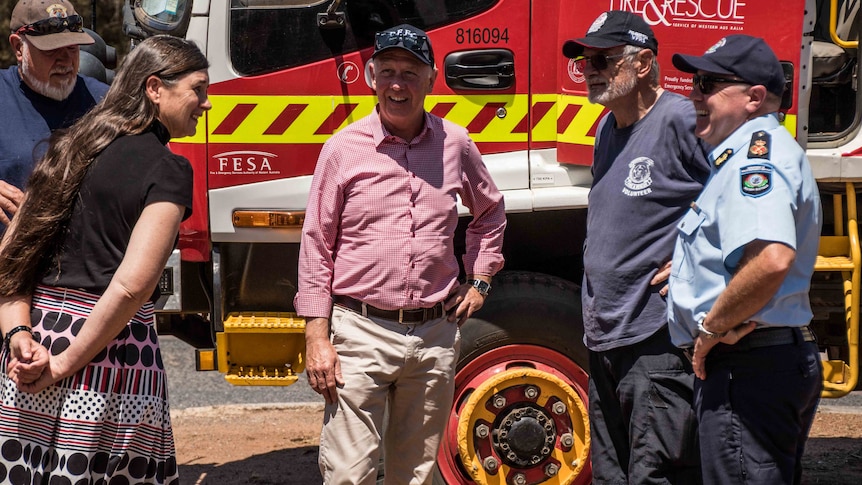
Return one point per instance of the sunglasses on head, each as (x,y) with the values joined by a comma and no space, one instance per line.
(405,39)
(706,83)
(598,61)
(53,25)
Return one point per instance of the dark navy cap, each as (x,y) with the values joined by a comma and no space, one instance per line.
(746,57)
(407,37)
(612,29)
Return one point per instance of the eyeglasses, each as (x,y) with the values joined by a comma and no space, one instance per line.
(53,25)
(706,83)
(406,39)
(598,61)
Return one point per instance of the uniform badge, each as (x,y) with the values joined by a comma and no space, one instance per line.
(725,155)
(759,146)
(755,180)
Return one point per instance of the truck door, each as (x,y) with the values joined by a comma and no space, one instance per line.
(295,74)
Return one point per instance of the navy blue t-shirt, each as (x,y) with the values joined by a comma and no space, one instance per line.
(645,176)
(28,118)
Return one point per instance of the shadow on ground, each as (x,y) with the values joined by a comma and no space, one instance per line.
(294,466)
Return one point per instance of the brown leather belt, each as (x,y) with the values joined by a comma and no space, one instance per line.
(411,316)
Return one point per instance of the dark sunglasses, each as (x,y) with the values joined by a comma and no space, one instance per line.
(405,39)
(598,61)
(53,25)
(706,83)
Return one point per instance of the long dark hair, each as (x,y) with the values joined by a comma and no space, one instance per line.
(38,227)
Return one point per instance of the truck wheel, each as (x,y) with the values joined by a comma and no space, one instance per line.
(520,407)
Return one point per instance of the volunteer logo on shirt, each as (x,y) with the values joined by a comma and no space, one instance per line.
(755,180)
(638,183)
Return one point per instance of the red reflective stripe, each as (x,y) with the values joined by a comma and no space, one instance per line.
(486,114)
(566,118)
(595,126)
(237,115)
(341,112)
(442,109)
(539,111)
(285,119)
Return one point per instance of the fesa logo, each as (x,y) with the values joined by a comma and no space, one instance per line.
(245,163)
(710,14)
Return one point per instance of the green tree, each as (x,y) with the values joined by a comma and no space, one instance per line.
(109,25)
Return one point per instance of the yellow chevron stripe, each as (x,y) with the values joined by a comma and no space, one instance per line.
(302,130)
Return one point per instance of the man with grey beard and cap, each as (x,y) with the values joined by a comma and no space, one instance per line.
(647,168)
(42,93)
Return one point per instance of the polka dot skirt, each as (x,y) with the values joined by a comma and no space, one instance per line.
(109,423)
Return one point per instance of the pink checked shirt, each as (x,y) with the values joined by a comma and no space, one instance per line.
(381,217)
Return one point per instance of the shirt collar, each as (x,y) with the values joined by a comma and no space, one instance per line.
(380,133)
(740,138)
(161,132)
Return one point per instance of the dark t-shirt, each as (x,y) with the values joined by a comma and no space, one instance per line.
(645,176)
(29,118)
(129,174)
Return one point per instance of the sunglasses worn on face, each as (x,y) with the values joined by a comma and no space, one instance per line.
(407,40)
(53,25)
(598,61)
(706,83)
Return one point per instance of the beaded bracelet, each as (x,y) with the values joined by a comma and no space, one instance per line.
(19,328)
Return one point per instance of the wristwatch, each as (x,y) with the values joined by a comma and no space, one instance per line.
(704,333)
(483,287)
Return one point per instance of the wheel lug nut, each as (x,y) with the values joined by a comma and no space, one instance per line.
(531,392)
(567,440)
(482,431)
(519,479)
(499,401)
(490,464)
(551,469)
(559,407)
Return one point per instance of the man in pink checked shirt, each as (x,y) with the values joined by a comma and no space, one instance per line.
(378,273)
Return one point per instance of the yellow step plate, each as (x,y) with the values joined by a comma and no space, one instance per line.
(262,349)
(833,263)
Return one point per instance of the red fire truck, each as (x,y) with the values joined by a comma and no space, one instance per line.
(287,74)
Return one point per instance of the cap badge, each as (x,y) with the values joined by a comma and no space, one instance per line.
(57,10)
(716,46)
(598,23)
(638,37)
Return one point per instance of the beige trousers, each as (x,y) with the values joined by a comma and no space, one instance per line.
(409,369)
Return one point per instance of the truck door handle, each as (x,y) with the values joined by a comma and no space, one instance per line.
(484,69)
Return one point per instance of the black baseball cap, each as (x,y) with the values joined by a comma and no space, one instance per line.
(407,37)
(612,29)
(746,57)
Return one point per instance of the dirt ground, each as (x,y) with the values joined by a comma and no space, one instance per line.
(266,445)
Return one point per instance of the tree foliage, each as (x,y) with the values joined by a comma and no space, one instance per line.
(109,24)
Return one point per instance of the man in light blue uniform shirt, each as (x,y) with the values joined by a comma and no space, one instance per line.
(741,271)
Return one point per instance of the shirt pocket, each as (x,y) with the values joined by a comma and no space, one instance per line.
(682,267)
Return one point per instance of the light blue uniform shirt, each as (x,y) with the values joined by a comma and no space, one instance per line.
(761,188)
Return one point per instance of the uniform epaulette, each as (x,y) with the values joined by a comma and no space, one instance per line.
(759,146)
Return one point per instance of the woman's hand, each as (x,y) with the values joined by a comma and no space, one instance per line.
(27,359)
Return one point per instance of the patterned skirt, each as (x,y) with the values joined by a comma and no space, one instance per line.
(107,423)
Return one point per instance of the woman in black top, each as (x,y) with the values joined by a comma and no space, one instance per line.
(85,398)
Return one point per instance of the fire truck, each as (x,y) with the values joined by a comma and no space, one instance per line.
(287,74)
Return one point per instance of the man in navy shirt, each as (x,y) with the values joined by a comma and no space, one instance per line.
(42,93)
(647,167)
